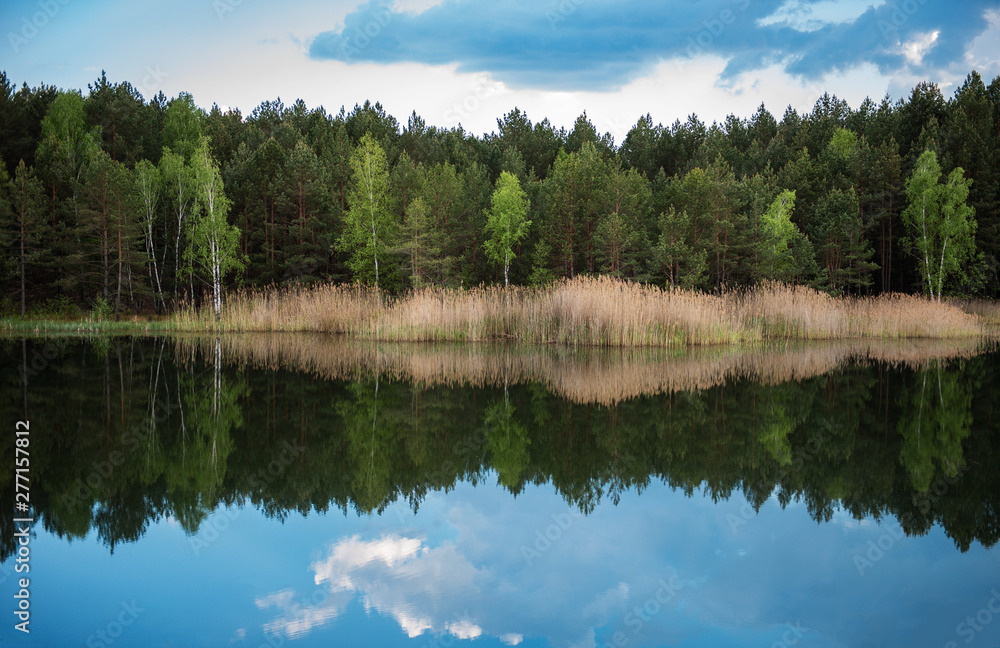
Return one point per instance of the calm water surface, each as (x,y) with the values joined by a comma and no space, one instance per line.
(302,491)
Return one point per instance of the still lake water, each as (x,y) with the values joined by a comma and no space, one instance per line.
(297,490)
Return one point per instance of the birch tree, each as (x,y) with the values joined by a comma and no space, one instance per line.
(178,184)
(506,223)
(215,244)
(148,186)
(369,225)
(941,225)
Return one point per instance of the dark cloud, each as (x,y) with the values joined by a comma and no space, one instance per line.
(602,45)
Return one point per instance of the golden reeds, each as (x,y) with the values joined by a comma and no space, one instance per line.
(589,311)
(582,375)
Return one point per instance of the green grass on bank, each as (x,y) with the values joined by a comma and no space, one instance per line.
(55,327)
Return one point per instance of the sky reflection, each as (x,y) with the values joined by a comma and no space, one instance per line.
(657,569)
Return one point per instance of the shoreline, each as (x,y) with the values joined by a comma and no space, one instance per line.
(594,312)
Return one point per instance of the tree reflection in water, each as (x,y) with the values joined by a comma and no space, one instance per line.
(131,430)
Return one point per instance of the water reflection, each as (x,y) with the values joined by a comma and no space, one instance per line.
(139,430)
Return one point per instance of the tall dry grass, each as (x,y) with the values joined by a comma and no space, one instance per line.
(589,312)
(986,309)
(582,375)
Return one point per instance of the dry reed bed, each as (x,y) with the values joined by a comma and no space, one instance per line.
(584,376)
(589,312)
(988,310)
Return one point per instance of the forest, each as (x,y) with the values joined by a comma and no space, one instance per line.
(112,201)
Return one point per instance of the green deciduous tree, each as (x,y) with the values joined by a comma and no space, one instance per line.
(182,125)
(148,187)
(507,222)
(369,225)
(215,244)
(940,223)
(179,187)
(781,241)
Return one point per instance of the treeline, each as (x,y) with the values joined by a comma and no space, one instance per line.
(138,205)
(147,429)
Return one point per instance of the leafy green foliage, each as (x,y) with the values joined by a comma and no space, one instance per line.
(940,223)
(684,203)
(369,226)
(507,223)
(214,241)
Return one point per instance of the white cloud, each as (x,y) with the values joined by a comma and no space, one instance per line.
(421,587)
(300,616)
(810,16)
(464,629)
(983,53)
(915,49)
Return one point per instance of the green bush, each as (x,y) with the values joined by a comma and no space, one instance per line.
(101,311)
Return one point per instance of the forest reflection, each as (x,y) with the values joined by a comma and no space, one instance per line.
(126,431)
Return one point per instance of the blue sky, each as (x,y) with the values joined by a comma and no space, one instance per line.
(705,573)
(469,61)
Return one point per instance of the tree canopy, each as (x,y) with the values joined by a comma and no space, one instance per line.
(827,197)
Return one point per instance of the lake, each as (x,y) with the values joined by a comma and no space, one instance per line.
(303,490)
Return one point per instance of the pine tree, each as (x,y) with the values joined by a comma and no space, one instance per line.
(421,243)
(25,222)
(621,237)
(843,252)
(678,253)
